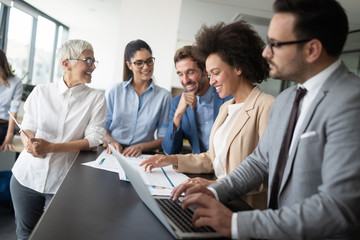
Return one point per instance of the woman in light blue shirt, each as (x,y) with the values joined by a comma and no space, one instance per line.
(137,107)
(10,97)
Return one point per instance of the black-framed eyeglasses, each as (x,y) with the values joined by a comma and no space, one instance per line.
(88,61)
(141,63)
(279,44)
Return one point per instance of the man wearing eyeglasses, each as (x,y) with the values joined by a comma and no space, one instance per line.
(193,112)
(310,151)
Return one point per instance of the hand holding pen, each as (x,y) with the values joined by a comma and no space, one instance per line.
(38,147)
(31,144)
(18,124)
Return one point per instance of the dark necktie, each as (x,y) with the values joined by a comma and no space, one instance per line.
(284,152)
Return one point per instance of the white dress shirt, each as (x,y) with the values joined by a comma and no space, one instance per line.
(312,86)
(59,114)
(220,139)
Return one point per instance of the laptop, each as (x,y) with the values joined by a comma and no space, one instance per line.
(169,213)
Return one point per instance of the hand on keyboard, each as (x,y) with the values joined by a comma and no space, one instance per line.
(210,213)
(189,187)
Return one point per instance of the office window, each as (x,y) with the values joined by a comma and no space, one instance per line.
(351,53)
(62,37)
(44,47)
(18,42)
(271,86)
(30,38)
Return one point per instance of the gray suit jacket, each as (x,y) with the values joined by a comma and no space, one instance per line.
(320,192)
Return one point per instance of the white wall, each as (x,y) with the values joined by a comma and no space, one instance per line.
(194,15)
(155,22)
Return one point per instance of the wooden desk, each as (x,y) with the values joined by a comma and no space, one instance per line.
(95,204)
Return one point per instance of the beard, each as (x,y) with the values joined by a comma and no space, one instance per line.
(294,70)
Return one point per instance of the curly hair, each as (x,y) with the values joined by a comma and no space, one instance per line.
(237,44)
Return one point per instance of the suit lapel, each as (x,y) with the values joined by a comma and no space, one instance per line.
(235,130)
(289,164)
(242,118)
(280,128)
(309,116)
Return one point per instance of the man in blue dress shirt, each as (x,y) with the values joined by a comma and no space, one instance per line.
(192,113)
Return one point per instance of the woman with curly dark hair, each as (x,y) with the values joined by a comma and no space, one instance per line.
(235,65)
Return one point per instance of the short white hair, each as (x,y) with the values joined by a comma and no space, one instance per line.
(72,49)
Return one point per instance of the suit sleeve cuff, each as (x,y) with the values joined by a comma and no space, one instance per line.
(214,192)
(234,232)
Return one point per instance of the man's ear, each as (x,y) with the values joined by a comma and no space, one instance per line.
(313,50)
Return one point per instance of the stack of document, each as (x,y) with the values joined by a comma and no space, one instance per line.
(158,179)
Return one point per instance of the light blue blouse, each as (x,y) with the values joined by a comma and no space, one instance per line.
(131,120)
(10,97)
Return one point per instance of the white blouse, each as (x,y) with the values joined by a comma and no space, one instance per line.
(59,114)
(220,137)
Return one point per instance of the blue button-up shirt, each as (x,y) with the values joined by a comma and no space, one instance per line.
(205,116)
(130,119)
(10,97)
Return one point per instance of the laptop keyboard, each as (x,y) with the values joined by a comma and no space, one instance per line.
(181,218)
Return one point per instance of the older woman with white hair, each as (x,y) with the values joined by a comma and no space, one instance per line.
(60,119)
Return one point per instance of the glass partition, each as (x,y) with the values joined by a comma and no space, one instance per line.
(18,42)
(30,38)
(351,53)
(44,48)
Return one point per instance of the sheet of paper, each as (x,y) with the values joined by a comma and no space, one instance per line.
(105,162)
(160,177)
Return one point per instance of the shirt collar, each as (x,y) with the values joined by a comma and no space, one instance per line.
(207,97)
(128,84)
(314,83)
(75,91)
(62,88)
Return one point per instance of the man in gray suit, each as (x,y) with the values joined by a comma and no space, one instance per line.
(316,192)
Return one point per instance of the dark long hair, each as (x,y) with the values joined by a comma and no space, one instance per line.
(130,50)
(5,71)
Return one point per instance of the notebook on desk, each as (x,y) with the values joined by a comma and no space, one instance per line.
(169,213)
